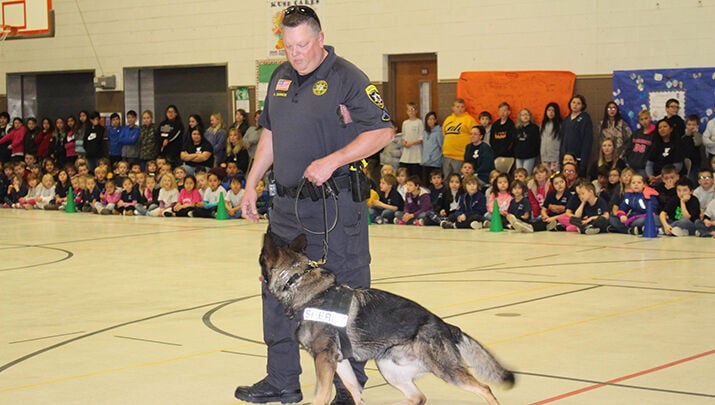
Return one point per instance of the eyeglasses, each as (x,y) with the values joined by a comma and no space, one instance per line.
(302,10)
(569,171)
(612,108)
(705,177)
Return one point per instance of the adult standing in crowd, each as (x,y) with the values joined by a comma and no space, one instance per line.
(577,133)
(241,122)
(303,137)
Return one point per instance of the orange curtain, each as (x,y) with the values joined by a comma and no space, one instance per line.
(483,91)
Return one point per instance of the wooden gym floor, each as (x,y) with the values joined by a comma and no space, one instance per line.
(134,310)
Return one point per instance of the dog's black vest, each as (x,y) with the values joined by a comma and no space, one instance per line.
(336,299)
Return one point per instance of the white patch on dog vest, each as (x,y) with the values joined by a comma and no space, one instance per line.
(320,315)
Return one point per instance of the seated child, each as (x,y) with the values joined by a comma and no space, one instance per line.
(150,196)
(417,204)
(129,197)
(168,197)
(591,216)
(189,198)
(706,227)
(631,214)
(207,208)
(61,189)
(264,199)
(472,207)
(389,201)
(16,192)
(234,198)
(89,195)
(519,211)
(679,214)
(704,192)
(436,188)
(33,190)
(448,203)
(554,205)
(108,200)
(500,193)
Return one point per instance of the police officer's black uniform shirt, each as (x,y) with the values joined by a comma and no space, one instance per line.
(306,119)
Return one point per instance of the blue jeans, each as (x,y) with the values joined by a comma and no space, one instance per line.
(527,164)
(682,223)
(704,229)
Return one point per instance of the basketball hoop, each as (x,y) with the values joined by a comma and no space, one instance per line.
(8,31)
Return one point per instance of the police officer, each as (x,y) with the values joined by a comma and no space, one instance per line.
(320,115)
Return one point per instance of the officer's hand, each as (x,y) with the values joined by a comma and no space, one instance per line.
(248,205)
(319,171)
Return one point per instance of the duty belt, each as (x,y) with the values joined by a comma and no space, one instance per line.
(309,190)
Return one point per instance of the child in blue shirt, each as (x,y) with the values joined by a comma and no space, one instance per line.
(519,212)
(472,207)
(631,214)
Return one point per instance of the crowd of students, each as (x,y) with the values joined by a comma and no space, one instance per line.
(549,184)
(155,170)
(550,181)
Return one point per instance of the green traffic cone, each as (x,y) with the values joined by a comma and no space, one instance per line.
(221,208)
(495,225)
(70,207)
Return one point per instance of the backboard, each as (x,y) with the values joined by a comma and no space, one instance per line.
(28,18)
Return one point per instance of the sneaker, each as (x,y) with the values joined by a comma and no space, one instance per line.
(611,229)
(167,213)
(447,224)
(634,230)
(342,397)
(399,221)
(379,220)
(590,230)
(678,231)
(105,211)
(512,219)
(190,214)
(476,225)
(551,225)
(487,224)
(523,227)
(263,392)
(419,222)
(128,213)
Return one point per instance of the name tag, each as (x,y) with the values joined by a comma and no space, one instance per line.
(319,315)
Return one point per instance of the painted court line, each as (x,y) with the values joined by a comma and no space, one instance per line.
(624,378)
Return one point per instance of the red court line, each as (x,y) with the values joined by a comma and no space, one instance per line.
(619,379)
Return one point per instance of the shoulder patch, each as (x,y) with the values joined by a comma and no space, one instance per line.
(283,85)
(374,96)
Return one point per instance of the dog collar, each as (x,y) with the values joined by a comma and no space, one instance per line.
(295,277)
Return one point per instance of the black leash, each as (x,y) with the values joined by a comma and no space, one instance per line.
(326,230)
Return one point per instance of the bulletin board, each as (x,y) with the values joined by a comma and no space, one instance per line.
(264,70)
(637,90)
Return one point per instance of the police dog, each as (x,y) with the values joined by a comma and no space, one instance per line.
(404,339)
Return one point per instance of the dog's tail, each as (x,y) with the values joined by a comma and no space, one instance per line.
(483,363)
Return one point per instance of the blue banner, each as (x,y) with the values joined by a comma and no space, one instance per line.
(637,90)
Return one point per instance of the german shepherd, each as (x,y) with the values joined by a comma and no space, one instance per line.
(404,339)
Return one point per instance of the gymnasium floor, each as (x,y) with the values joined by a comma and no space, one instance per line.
(135,310)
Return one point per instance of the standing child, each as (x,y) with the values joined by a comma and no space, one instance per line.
(189,198)
(679,214)
(472,207)
(234,198)
(527,143)
(148,142)
(502,133)
(412,129)
(551,137)
(129,198)
(432,141)
(500,193)
(417,204)
(485,120)
(519,212)
(129,138)
(389,201)
(207,209)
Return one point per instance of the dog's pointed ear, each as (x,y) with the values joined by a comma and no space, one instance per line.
(299,243)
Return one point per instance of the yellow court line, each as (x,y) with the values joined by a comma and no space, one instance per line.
(592,319)
(114,370)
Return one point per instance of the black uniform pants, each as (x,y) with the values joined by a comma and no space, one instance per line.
(348,257)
